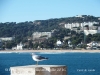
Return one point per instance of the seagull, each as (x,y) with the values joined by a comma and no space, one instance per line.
(38,58)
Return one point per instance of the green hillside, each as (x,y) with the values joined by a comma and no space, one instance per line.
(23,30)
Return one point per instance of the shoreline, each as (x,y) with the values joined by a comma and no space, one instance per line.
(47,51)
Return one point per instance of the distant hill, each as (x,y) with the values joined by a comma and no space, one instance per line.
(23,32)
(25,29)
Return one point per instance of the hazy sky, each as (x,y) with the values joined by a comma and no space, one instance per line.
(30,10)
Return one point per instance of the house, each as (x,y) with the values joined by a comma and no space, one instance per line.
(18,47)
(92,45)
(59,43)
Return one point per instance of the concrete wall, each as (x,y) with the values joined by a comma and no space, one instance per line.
(39,70)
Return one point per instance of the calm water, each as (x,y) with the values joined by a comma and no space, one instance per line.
(77,63)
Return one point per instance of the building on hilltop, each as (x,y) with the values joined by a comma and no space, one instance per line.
(80,25)
(87,27)
(82,16)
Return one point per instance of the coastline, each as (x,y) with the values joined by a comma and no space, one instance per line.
(56,51)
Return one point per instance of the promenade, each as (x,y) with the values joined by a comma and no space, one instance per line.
(80,51)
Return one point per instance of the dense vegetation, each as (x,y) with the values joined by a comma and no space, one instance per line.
(22,31)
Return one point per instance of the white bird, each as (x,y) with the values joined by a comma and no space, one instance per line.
(38,58)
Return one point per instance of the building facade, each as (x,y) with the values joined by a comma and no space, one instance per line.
(80,25)
(37,35)
(7,38)
(18,47)
(87,27)
(91,31)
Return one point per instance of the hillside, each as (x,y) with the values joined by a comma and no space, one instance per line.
(21,31)
(24,29)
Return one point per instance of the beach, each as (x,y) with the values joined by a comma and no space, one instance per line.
(80,51)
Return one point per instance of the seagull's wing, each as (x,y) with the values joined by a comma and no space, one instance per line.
(40,57)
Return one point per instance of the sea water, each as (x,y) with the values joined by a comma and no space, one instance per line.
(77,63)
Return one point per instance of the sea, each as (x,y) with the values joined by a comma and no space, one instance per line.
(77,63)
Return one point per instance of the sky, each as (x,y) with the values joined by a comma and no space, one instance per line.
(31,10)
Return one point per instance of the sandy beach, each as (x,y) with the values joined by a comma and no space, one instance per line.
(80,51)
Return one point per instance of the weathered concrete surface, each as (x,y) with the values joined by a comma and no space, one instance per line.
(39,70)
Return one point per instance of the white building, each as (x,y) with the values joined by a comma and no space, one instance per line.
(91,31)
(92,44)
(42,34)
(18,47)
(98,18)
(79,16)
(69,42)
(81,25)
(7,38)
(59,43)
(71,25)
